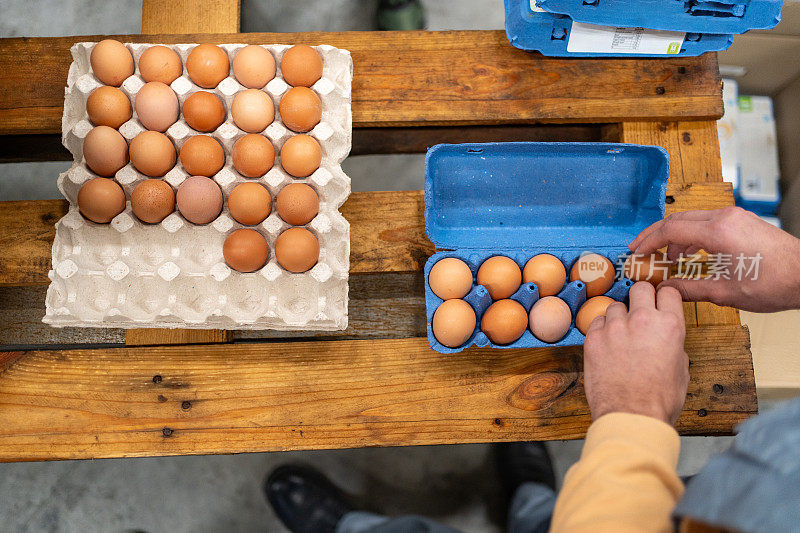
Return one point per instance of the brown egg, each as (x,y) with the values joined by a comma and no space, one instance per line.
(301,155)
(301,65)
(152,153)
(450,278)
(101,199)
(301,109)
(501,276)
(297,204)
(159,63)
(253,155)
(653,268)
(504,322)
(253,66)
(252,110)
(202,155)
(245,250)
(108,106)
(152,201)
(550,319)
(453,323)
(207,65)
(596,271)
(105,151)
(203,111)
(547,272)
(199,199)
(593,308)
(156,106)
(297,250)
(112,62)
(249,203)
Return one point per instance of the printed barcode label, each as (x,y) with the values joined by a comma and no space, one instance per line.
(585,38)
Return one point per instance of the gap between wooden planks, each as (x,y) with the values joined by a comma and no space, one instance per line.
(247,397)
(417,79)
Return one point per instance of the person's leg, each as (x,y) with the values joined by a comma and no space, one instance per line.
(527,473)
(531,509)
(361,522)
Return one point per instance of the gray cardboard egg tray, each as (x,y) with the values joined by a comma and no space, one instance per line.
(128,274)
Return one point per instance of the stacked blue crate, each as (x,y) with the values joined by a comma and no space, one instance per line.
(531,28)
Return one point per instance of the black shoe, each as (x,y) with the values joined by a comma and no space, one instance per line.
(305,500)
(523,462)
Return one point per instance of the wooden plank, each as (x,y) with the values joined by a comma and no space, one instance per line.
(694,158)
(185,16)
(190,16)
(417,78)
(247,397)
(387,230)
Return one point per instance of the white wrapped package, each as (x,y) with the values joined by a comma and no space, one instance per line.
(128,274)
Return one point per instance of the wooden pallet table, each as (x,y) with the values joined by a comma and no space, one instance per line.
(85,393)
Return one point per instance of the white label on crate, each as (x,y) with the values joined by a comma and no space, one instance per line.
(610,40)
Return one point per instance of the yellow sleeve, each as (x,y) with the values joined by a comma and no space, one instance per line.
(625,479)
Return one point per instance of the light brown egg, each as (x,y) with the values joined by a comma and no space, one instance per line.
(207,65)
(203,111)
(152,201)
(253,66)
(152,153)
(501,276)
(252,110)
(105,151)
(245,250)
(108,106)
(504,322)
(301,65)
(450,278)
(159,63)
(550,319)
(199,199)
(202,155)
(596,271)
(300,109)
(297,204)
(591,309)
(453,323)
(253,155)
(297,250)
(653,268)
(101,199)
(112,62)
(547,272)
(249,203)
(156,106)
(301,155)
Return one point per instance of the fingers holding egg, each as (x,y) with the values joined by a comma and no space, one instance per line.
(591,309)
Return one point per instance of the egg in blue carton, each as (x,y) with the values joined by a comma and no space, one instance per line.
(522,199)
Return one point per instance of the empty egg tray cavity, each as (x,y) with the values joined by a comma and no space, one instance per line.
(172,274)
(523,199)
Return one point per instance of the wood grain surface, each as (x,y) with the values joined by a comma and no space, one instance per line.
(387,230)
(247,397)
(417,78)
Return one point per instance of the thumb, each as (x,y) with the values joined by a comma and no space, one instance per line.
(699,290)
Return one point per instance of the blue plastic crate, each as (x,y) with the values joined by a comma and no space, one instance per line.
(523,199)
(703,16)
(549,34)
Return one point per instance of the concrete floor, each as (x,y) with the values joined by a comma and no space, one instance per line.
(222,493)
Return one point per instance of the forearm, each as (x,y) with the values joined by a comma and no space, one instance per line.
(625,479)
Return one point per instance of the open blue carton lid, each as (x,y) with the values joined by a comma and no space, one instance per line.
(552,35)
(520,199)
(705,16)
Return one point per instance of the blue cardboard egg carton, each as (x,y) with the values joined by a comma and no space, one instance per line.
(549,34)
(703,16)
(521,199)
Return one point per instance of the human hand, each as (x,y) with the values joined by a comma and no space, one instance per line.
(633,358)
(737,232)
